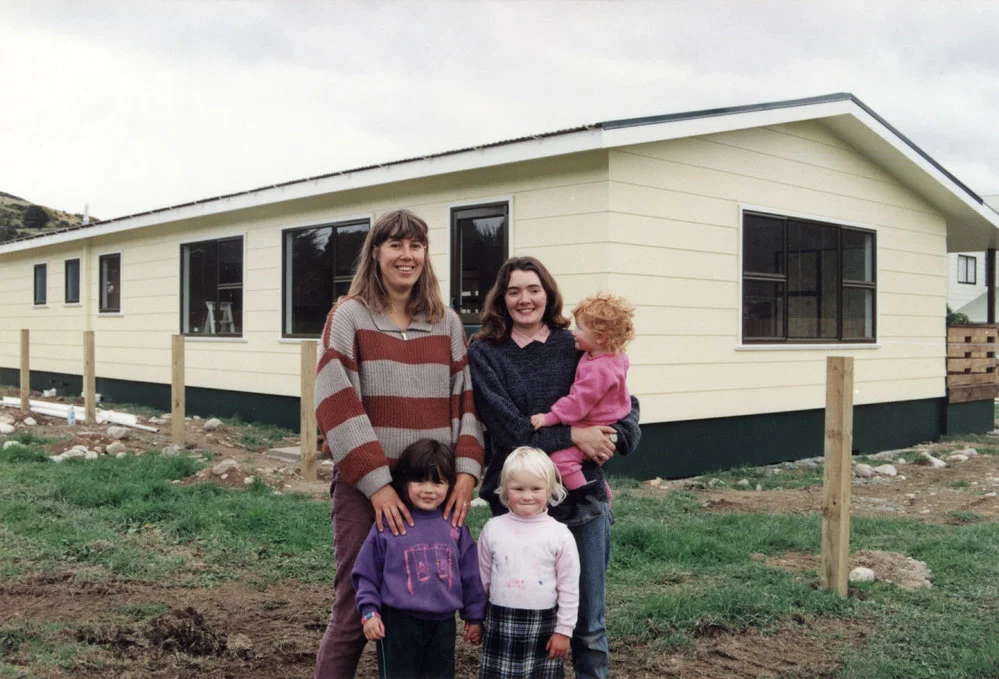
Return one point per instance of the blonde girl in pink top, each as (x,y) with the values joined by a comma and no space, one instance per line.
(599,394)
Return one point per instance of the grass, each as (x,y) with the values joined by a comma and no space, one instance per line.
(677,572)
(259,436)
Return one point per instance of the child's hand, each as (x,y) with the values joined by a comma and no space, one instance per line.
(557,646)
(374,629)
(473,632)
(537,421)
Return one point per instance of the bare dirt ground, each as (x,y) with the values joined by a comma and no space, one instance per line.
(236,630)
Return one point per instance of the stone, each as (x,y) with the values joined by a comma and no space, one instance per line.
(6,428)
(248,481)
(29,422)
(196,418)
(91,455)
(49,393)
(58,458)
(863,471)
(172,450)
(653,483)
(715,482)
(910,496)
(121,455)
(7,445)
(157,420)
(743,483)
(479,502)
(934,462)
(992,494)
(225,466)
(969,452)
(956,457)
(213,424)
(118,433)
(759,488)
(886,470)
(861,574)
(74,452)
(116,447)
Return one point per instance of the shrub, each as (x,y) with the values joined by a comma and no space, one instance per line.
(34,217)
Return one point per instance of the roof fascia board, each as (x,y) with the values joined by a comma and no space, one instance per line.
(531,149)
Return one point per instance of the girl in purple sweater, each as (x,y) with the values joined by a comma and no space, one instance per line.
(599,394)
(408,586)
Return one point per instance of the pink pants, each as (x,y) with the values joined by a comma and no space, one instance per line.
(569,462)
(342,644)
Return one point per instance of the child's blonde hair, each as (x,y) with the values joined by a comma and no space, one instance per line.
(535,462)
(610,315)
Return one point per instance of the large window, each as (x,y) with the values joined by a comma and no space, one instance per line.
(110,293)
(41,284)
(806,281)
(211,279)
(71,289)
(967,269)
(479,237)
(318,263)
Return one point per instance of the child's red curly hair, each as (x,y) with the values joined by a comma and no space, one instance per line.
(610,315)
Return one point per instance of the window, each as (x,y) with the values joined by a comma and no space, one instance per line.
(806,281)
(967,269)
(211,279)
(110,269)
(72,287)
(41,284)
(318,263)
(479,237)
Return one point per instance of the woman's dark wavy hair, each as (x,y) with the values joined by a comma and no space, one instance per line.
(496,321)
(425,460)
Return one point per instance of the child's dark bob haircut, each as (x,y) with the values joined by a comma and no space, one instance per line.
(425,460)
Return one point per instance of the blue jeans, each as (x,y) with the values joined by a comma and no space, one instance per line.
(590,653)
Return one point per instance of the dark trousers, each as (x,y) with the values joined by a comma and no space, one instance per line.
(414,648)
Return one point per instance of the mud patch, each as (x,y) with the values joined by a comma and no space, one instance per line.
(890,567)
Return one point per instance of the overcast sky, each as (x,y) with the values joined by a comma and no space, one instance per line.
(130,106)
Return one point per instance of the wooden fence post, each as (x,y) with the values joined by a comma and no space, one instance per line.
(177,391)
(308,410)
(25,371)
(89,378)
(837,474)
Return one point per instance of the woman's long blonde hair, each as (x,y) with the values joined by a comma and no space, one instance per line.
(367,285)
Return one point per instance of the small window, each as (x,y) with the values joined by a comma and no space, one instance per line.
(479,237)
(318,266)
(110,269)
(211,279)
(41,284)
(72,287)
(967,269)
(806,281)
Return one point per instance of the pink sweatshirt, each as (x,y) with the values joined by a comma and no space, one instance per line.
(531,563)
(599,394)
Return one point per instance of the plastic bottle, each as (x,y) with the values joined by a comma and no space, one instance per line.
(71,416)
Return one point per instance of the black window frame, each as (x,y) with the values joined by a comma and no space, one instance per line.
(103,307)
(241,286)
(842,284)
(478,210)
(287,235)
(962,267)
(40,290)
(67,277)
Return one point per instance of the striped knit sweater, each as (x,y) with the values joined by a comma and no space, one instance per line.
(379,389)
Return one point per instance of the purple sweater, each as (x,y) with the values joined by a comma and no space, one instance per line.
(430,572)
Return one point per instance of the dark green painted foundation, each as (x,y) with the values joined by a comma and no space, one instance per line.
(668,449)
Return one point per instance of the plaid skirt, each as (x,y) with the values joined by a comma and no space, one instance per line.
(513,644)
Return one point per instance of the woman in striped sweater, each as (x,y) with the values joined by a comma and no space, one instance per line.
(394,369)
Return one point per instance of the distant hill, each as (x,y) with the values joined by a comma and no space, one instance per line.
(20,218)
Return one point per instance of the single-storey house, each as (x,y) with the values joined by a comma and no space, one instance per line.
(966,281)
(754,241)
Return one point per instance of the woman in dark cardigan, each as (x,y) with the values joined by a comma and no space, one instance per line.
(522,361)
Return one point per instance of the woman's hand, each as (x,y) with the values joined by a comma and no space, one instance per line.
(460,500)
(557,646)
(597,443)
(390,510)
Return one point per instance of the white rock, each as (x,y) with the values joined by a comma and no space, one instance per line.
(910,496)
(225,466)
(956,457)
(653,483)
(714,482)
(934,462)
(224,477)
(157,420)
(743,483)
(861,574)
(58,458)
(116,447)
(29,422)
(118,432)
(213,424)
(74,452)
(992,494)
(121,455)
(91,455)
(7,445)
(175,482)
(886,470)
(864,471)
(48,393)
(172,450)
(479,502)
(248,481)
(970,452)
(196,418)
(759,488)
(901,460)
(6,428)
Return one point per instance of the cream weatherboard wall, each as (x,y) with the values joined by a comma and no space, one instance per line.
(675,250)
(558,211)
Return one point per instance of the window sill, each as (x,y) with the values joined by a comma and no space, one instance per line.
(806,347)
(109,314)
(72,304)
(40,306)
(299,340)
(203,338)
